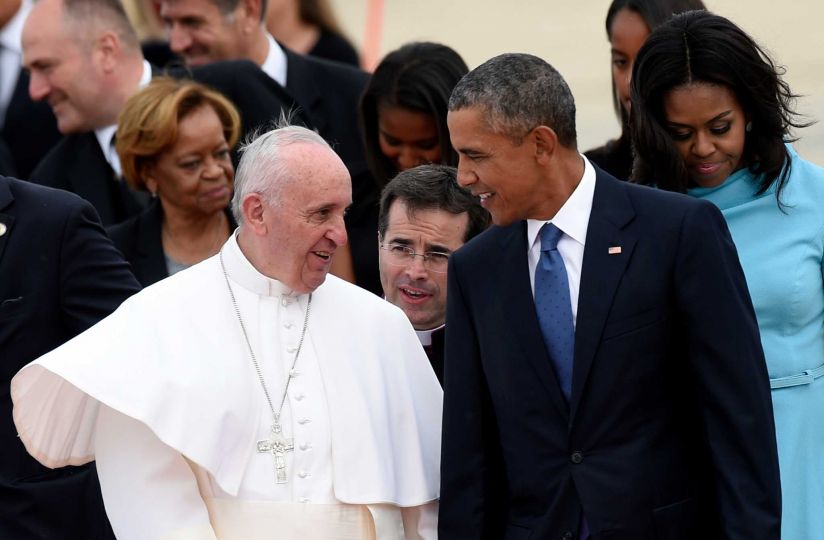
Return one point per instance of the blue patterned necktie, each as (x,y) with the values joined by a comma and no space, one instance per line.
(554,307)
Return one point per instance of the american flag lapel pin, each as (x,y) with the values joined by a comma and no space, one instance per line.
(614,250)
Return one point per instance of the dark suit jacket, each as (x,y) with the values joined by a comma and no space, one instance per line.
(59,274)
(77,163)
(139,240)
(329,93)
(669,431)
(29,129)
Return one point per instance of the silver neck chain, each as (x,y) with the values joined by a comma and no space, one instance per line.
(275,414)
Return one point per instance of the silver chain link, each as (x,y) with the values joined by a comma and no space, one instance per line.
(275,415)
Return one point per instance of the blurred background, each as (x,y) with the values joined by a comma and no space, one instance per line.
(571,36)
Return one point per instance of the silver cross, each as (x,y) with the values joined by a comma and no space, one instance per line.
(277,445)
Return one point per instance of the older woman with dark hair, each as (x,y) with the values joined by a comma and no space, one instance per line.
(628,24)
(711,116)
(174,140)
(403,109)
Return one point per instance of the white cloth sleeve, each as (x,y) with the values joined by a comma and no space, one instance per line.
(421,522)
(149,490)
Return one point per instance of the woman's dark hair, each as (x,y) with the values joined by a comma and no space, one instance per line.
(700,47)
(419,77)
(655,13)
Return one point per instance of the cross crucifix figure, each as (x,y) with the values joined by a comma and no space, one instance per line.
(277,445)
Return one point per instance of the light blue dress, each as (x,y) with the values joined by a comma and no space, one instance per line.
(782,255)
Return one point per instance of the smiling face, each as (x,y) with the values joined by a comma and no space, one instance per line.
(54,59)
(194,176)
(504,175)
(408,138)
(707,124)
(201,33)
(306,226)
(419,292)
(627,35)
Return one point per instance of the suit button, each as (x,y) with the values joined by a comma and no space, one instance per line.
(567,536)
(576,457)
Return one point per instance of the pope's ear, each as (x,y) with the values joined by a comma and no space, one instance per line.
(545,140)
(253,212)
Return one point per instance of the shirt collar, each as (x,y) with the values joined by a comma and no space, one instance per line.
(573,217)
(10,35)
(425,336)
(104,135)
(241,270)
(275,63)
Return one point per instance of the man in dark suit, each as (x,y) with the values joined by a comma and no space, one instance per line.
(604,375)
(86,63)
(205,31)
(424,217)
(59,275)
(28,130)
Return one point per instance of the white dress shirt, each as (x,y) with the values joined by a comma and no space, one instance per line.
(11,56)
(105,135)
(572,219)
(275,63)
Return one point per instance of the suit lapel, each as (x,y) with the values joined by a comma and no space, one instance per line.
(6,219)
(601,273)
(302,88)
(519,310)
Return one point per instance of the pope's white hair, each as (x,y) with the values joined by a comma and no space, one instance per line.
(262,168)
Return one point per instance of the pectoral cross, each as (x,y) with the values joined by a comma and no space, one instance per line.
(277,445)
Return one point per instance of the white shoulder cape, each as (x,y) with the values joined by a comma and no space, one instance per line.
(173,358)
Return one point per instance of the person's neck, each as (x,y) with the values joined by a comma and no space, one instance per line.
(258,48)
(124,84)
(189,238)
(564,176)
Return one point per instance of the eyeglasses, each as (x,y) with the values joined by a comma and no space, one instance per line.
(400,255)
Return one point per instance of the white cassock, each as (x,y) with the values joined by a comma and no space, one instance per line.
(163,393)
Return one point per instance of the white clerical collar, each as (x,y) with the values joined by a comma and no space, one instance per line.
(11,34)
(275,63)
(246,275)
(573,217)
(425,336)
(105,134)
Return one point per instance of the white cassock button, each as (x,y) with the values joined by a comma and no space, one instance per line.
(291,349)
(303,500)
(305,446)
(284,301)
(303,474)
(287,325)
(294,373)
(303,421)
(300,397)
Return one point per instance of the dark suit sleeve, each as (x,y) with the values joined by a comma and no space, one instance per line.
(94,278)
(727,361)
(470,455)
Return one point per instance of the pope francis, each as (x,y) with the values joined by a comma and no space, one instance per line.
(251,396)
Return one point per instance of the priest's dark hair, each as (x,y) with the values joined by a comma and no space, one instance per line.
(517,93)
(432,187)
(419,77)
(700,47)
